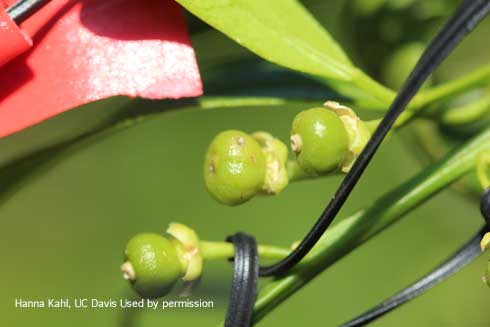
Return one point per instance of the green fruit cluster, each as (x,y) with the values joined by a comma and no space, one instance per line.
(325,140)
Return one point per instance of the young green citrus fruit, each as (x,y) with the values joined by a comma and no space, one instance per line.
(320,141)
(152,265)
(234,168)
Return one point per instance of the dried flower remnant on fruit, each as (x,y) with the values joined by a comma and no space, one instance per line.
(296,143)
(357,130)
(276,156)
(485,242)
(188,250)
(128,271)
(234,167)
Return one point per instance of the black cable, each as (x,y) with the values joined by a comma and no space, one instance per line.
(463,21)
(245,279)
(23,9)
(461,258)
(465,255)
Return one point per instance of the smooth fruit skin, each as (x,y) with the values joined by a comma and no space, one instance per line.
(234,168)
(324,142)
(155,263)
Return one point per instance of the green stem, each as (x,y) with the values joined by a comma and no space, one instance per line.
(379,97)
(382,94)
(296,173)
(224,250)
(210,102)
(477,78)
(483,170)
(363,225)
(404,119)
(467,113)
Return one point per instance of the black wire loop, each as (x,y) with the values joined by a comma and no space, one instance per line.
(464,256)
(245,279)
(463,21)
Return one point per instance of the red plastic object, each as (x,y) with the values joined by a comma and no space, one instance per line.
(91,49)
(14,40)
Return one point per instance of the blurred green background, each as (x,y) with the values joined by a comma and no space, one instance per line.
(66,218)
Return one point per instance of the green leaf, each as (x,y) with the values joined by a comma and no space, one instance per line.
(281,31)
(284,33)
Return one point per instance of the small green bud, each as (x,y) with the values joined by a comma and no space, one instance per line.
(320,141)
(234,168)
(152,265)
(276,156)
